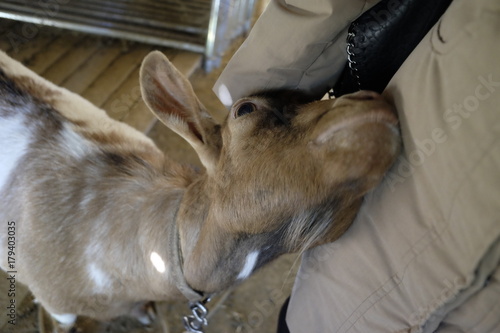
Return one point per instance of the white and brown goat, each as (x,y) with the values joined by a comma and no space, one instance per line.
(99,210)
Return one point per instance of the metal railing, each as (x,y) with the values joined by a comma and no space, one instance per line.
(202,26)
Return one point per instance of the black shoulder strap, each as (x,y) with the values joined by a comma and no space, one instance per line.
(381,39)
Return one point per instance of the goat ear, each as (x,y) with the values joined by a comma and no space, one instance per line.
(171,98)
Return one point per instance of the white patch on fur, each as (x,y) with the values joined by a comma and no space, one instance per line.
(144,319)
(74,143)
(66,319)
(86,200)
(158,262)
(145,313)
(14,140)
(250,262)
(100,279)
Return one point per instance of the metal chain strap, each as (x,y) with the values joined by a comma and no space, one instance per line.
(195,322)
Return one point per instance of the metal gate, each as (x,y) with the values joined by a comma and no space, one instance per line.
(203,26)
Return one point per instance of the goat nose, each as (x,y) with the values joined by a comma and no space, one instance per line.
(364,95)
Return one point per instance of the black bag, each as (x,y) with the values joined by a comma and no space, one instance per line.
(380,40)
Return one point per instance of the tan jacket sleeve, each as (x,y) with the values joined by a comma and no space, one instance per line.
(295,44)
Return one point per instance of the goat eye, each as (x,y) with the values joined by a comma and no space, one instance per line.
(244,109)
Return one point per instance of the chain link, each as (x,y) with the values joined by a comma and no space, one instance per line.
(195,322)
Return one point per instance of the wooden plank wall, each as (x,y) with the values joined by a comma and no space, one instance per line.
(103,70)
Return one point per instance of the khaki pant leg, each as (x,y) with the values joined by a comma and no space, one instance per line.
(420,236)
(479,314)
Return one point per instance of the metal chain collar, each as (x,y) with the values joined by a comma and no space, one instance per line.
(195,322)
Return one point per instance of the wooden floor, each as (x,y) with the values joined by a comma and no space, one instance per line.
(103,70)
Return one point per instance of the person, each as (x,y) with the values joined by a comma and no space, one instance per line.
(423,253)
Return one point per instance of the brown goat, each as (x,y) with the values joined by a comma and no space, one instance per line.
(103,219)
